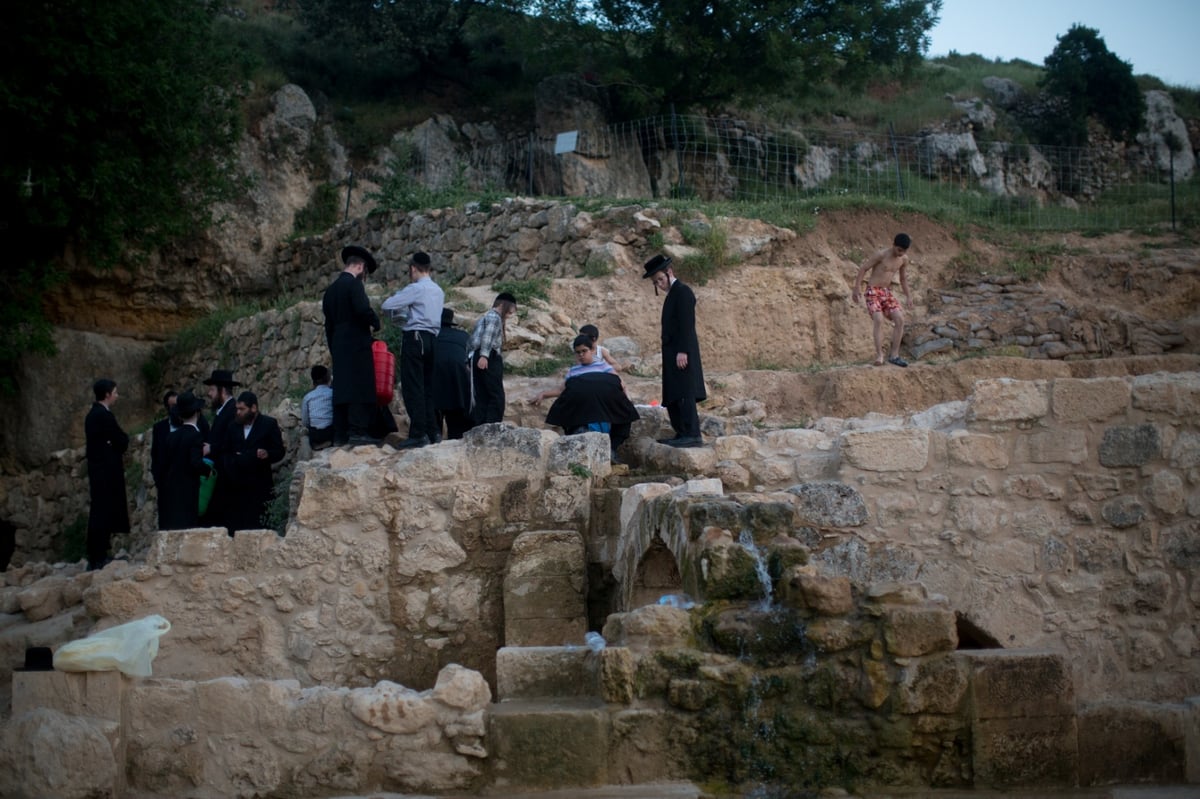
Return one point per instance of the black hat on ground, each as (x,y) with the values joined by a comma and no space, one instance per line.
(187,404)
(361,252)
(38,658)
(221,377)
(655,265)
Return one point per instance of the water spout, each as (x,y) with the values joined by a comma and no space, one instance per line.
(760,568)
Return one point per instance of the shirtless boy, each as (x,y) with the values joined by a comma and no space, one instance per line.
(880,301)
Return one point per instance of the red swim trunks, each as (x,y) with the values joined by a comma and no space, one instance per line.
(881,300)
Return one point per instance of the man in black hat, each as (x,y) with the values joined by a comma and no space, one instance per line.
(349,321)
(220,393)
(255,445)
(420,305)
(106,445)
(452,379)
(682,373)
(183,457)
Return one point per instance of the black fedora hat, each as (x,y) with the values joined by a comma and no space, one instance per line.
(361,252)
(188,403)
(221,377)
(447,317)
(38,658)
(655,265)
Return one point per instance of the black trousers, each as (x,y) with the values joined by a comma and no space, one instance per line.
(685,419)
(416,381)
(352,419)
(456,422)
(489,389)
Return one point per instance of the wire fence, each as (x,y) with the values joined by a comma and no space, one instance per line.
(725,159)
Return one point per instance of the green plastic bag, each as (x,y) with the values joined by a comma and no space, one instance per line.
(207,483)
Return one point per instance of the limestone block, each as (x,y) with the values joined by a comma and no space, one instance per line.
(87,693)
(887,450)
(776,470)
(1181,545)
(44,752)
(427,772)
(646,748)
(1130,445)
(837,635)
(1076,400)
(1057,446)
(1122,512)
(1167,493)
(393,708)
(544,589)
(977,449)
(1007,400)
(121,599)
(649,627)
(44,598)
(735,448)
(1131,742)
(462,688)
(532,672)
(829,504)
(565,499)
(1191,726)
(1008,684)
(1037,751)
(795,440)
(200,547)
(590,450)
(500,450)
(936,684)
(1185,452)
(618,670)
(824,595)
(909,631)
(1175,394)
(540,745)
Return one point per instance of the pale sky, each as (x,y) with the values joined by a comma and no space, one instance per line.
(1157,37)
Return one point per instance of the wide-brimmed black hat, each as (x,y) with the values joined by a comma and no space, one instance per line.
(188,403)
(38,658)
(361,252)
(655,265)
(221,377)
(447,317)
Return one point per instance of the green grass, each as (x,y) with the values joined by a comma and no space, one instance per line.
(542,367)
(525,291)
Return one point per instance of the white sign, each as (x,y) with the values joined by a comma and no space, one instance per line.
(565,142)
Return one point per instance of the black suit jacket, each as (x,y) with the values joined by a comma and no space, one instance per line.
(179,491)
(250,479)
(349,320)
(679,335)
(106,445)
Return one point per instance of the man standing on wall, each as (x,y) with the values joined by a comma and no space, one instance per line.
(349,321)
(106,445)
(255,444)
(487,364)
(220,393)
(682,373)
(420,305)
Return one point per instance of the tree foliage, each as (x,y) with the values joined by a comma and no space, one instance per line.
(118,120)
(1088,80)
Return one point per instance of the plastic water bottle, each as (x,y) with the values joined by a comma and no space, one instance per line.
(594,641)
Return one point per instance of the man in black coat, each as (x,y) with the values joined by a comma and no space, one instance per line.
(220,393)
(349,321)
(183,465)
(255,443)
(451,379)
(682,372)
(106,445)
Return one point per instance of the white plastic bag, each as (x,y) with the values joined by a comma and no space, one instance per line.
(128,648)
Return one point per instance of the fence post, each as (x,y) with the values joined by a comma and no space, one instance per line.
(896,157)
(1171,161)
(530,168)
(349,188)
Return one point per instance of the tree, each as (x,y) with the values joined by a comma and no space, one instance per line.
(688,53)
(119,122)
(1087,80)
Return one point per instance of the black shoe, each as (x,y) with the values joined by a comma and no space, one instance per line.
(436,438)
(670,442)
(413,443)
(363,441)
(897,361)
(687,442)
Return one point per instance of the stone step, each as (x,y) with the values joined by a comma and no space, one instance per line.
(664,790)
(546,672)
(549,744)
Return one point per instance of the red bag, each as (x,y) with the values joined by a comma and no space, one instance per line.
(385,372)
